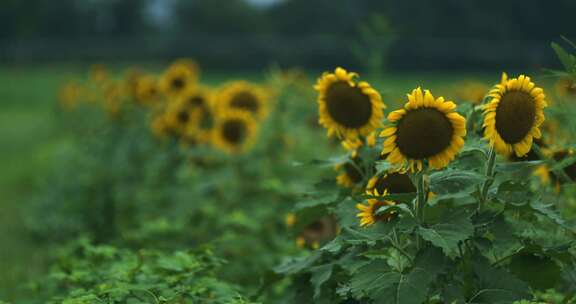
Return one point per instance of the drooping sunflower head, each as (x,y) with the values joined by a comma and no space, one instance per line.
(147,91)
(348,108)
(426,129)
(234,131)
(514,114)
(368,211)
(245,96)
(318,232)
(350,174)
(391,182)
(177,79)
(566,87)
(198,97)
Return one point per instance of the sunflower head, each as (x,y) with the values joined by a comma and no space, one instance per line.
(368,211)
(391,182)
(69,95)
(514,114)
(348,108)
(98,73)
(318,232)
(566,87)
(147,91)
(234,131)
(472,91)
(179,116)
(177,79)
(245,96)
(114,95)
(426,129)
(350,175)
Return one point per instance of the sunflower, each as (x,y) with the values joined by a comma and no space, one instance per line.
(367,213)
(513,117)
(243,95)
(234,131)
(177,79)
(346,107)
(350,174)
(392,182)
(179,116)
(70,94)
(566,87)
(472,91)
(199,100)
(114,95)
(98,73)
(147,91)
(354,143)
(425,129)
(317,233)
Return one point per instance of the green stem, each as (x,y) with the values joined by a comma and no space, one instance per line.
(558,172)
(420,202)
(490,165)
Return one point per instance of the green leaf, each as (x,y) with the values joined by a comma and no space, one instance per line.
(449,232)
(511,167)
(401,208)
(515,192)
(495,285)
(299,264)
(454,181)
(537,270)
(568,60)
(373,280)
(320,275)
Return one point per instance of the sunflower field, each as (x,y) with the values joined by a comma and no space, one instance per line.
(170,181)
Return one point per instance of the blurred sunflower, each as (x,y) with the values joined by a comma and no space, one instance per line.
(200,101)
(513,117)
(425,129)
(566,87)
(114,95)
(177,79)
(472,91)
(350,175)
(234,131)
(98,73)
(368,212)
(347,108)
(70,94)
(179,116)
(354,143)
(147,91)
(392,182)
(243,95)
(131,78)
(317,233)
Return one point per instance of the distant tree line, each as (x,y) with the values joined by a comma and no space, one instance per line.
(307,32)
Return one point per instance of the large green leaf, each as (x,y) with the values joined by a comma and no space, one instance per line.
(454,181)
(320,275)
(568,60)
(447,233)
(377,282)
(538,270)
(494,285)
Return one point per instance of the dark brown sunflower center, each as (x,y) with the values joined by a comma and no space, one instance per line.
(424,133)
(353,173)
(234,131)
(348,106)
(178,83)
(515,116)
(246,101)
(183,117)
(395,183)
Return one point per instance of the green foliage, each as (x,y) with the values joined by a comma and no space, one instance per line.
(86,273)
